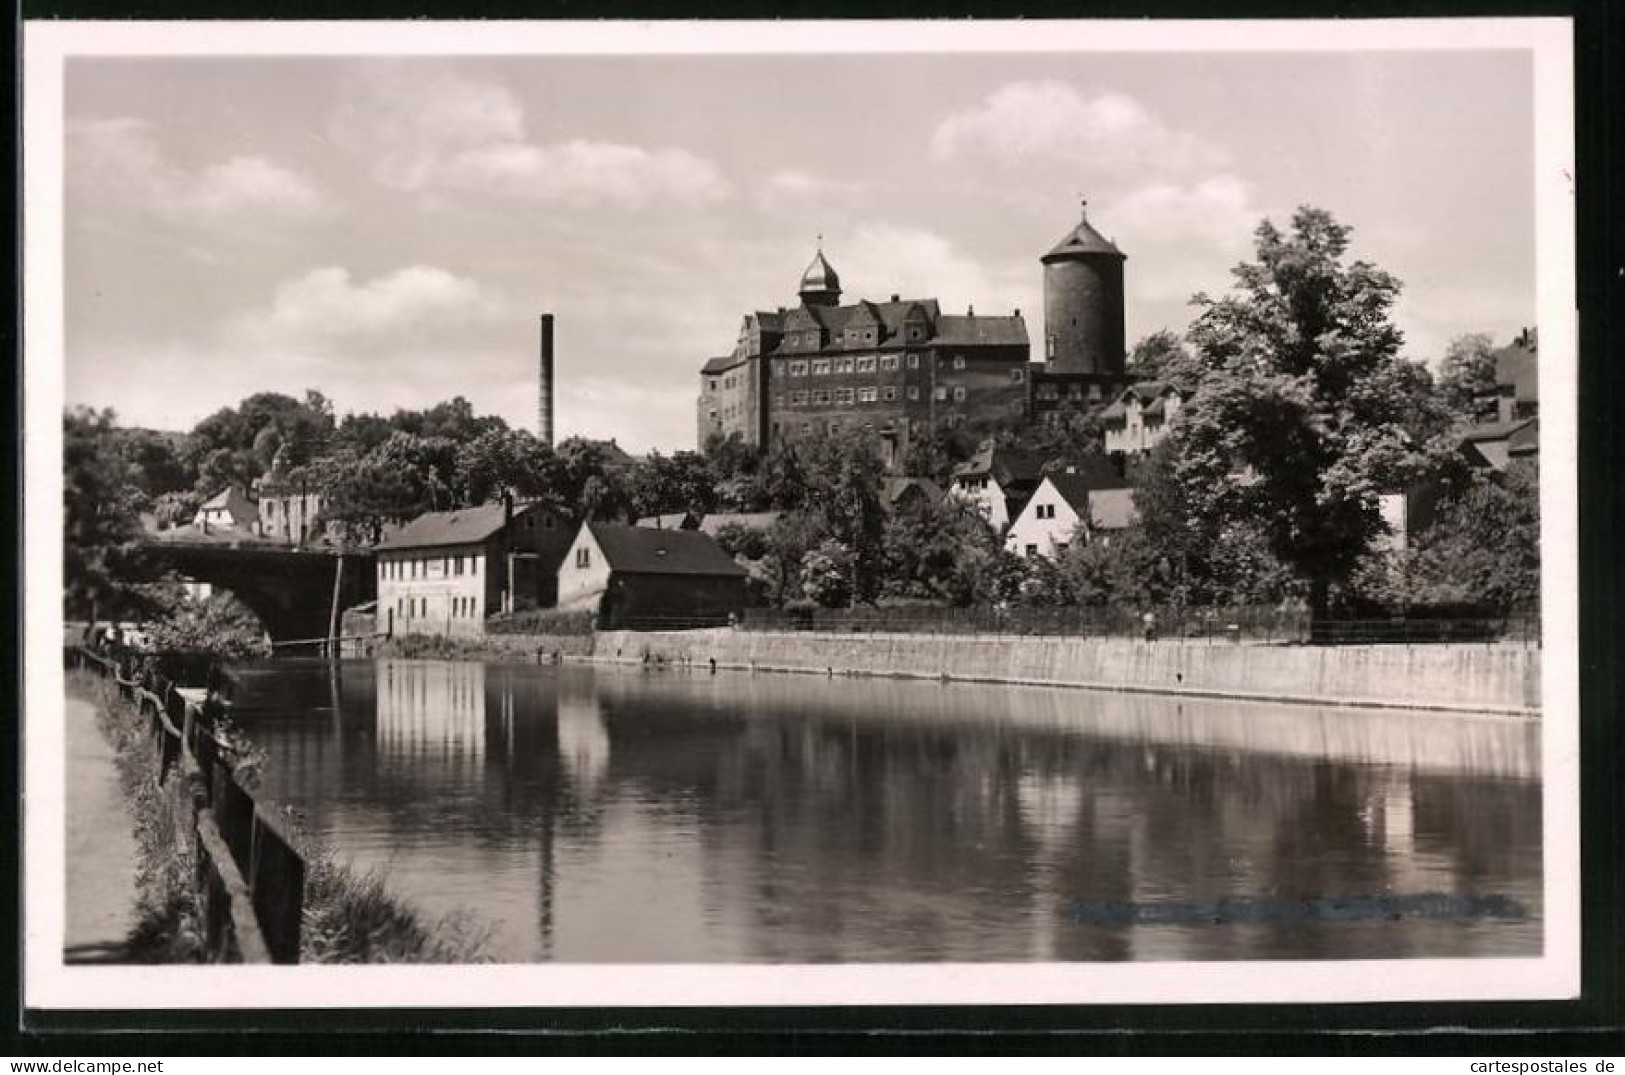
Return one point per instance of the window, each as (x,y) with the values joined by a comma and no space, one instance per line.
(798,399)
(959,362)
(867,395)
(713,415)
(806,427)
(833,427)
(941,392)
(959,393)
(1094,392)
(820,367)
(913,391)
(457,566)
(1075,391)
(888,362)
(913,360)
(1046,392)
(583,557)
(1061,546)
(798,369)
(1049,346)
(843,365)
(778,401)
(475,561)
(1032,550)
(1015,376)
(778,367)
(866,364)
(1045,511)
(890,393)
(821,397)
(844,397)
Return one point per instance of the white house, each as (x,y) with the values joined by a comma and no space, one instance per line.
(445,571)
(998,481)
(228,509)
(1139,418)
(1092,502)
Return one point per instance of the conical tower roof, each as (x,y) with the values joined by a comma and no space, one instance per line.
(1083,241)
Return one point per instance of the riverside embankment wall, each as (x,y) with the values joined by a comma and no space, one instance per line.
(1481,678)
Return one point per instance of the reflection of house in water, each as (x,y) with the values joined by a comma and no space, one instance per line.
(433,707)
(583,740)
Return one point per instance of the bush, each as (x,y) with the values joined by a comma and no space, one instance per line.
(541,621)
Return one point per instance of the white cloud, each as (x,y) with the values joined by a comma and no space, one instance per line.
(454,133)
(881,259)
(326,306)
(119,161)
(1025,123)
(792,186)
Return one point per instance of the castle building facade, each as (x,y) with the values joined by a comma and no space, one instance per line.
(895,367)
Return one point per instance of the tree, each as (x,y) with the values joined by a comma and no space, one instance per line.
(791,537)
(1483,549)
(1163,356)
(397,481)
(937,551)
(104,573)
(660,484)
(1305,410)
(826,574)
(1467,377)
(844,478)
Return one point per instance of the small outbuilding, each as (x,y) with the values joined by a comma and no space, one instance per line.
(635,576)
(229,509)
(1088,502)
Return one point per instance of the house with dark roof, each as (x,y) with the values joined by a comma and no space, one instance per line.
(760,521)
(1138,419)
(1089,503)
(1497,445)
(1517,380)
(444,572)
(998,481)
(633,576)
(909,494)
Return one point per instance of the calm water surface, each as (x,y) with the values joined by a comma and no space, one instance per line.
(600,815)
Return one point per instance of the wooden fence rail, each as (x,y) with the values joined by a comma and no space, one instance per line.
(250,877)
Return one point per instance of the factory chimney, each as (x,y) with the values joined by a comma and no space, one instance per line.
(544,406)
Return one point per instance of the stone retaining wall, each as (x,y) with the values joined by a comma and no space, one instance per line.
(1481,678)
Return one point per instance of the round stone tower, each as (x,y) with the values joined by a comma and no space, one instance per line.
(1083,303)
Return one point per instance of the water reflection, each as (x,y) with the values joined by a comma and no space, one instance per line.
(603,815)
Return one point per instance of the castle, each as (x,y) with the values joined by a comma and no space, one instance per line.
(902,366)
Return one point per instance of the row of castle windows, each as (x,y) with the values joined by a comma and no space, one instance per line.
(844,397)
(1051,392)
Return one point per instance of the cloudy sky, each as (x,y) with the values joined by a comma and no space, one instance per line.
(387,230)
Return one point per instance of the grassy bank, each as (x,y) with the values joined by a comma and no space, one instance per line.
(349,916)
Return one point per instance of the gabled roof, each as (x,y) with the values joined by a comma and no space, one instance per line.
(894,489)
(834,320)
(750,520)
(726,362)
(971,331)
(1007,466)
(465,526)
(1496,430)
(1518,365)
(1078,489)
(230,498)
(642,551)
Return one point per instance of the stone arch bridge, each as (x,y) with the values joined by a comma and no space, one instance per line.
(297,593)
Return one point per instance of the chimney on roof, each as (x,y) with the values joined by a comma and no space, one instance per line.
(896,298)
(1018,311)
(507,508)
(544,404)
(970,311)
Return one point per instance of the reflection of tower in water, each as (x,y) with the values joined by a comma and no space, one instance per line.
(431,707)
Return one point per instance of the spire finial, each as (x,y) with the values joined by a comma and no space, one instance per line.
(820,241)
(1083,205)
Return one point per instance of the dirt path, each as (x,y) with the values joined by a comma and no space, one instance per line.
(101,852)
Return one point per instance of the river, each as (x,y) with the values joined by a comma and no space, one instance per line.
(607,814)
